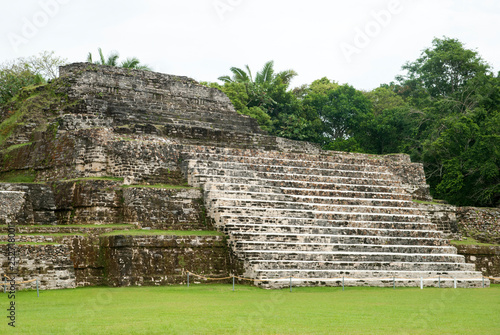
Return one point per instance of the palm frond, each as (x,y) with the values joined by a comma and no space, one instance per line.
(249,72)
(130,63)
(112,59)
(101,55)
(225,79)
(266,74)
(286,76)
(134,63)
(239,75)
(143,67)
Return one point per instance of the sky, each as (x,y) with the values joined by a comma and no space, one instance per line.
(359,42)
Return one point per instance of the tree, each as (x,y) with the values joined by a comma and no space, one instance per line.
(342,110)
(45,64)
(442,70)
(456,132)
(462,164)
(264,76)
(264,97)
(12,80)
(112,60)
(22,72)
(383,98)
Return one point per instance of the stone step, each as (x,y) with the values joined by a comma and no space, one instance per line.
(439,275)
(303,192)
(347,256)
(344,193)
(343,171)
(315,246)
(200,180)
(345,223)
(442,279)
(285,213)
(333,266)
(306,206)
(242,195)
(268,236)
(283,176)
(474,282)
(346,233)
(190,117)
(237,187)
(255,156)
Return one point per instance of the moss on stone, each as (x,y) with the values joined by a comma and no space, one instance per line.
(164,232)
(117,179)
(20,176)
(38,105)
(33,243)
(166,186)
(472,241)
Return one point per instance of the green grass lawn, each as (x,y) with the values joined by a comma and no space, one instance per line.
(215,309)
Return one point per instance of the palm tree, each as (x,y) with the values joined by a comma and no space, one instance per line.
(264,76)
(134,63)
(112,60)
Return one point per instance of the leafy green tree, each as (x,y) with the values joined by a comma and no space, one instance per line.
(112,60)
(22,72)
(456,131)
(342,110)
(442,70)
(391,128)
(383,98)
(13,80)
(462,164)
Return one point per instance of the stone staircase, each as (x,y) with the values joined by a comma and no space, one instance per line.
(323,220)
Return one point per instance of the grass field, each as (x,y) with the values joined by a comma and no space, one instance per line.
(215,309)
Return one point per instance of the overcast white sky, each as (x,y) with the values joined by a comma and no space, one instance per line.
(360,42)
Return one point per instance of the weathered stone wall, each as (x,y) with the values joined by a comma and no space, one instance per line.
(486,258)
(118,260)
(88,201)
(444,216)
(411,175)
(157,208)
(38,206)
(161,260)
(149,98)
(482,224)
(105,202)
(12,204)
(50,264)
